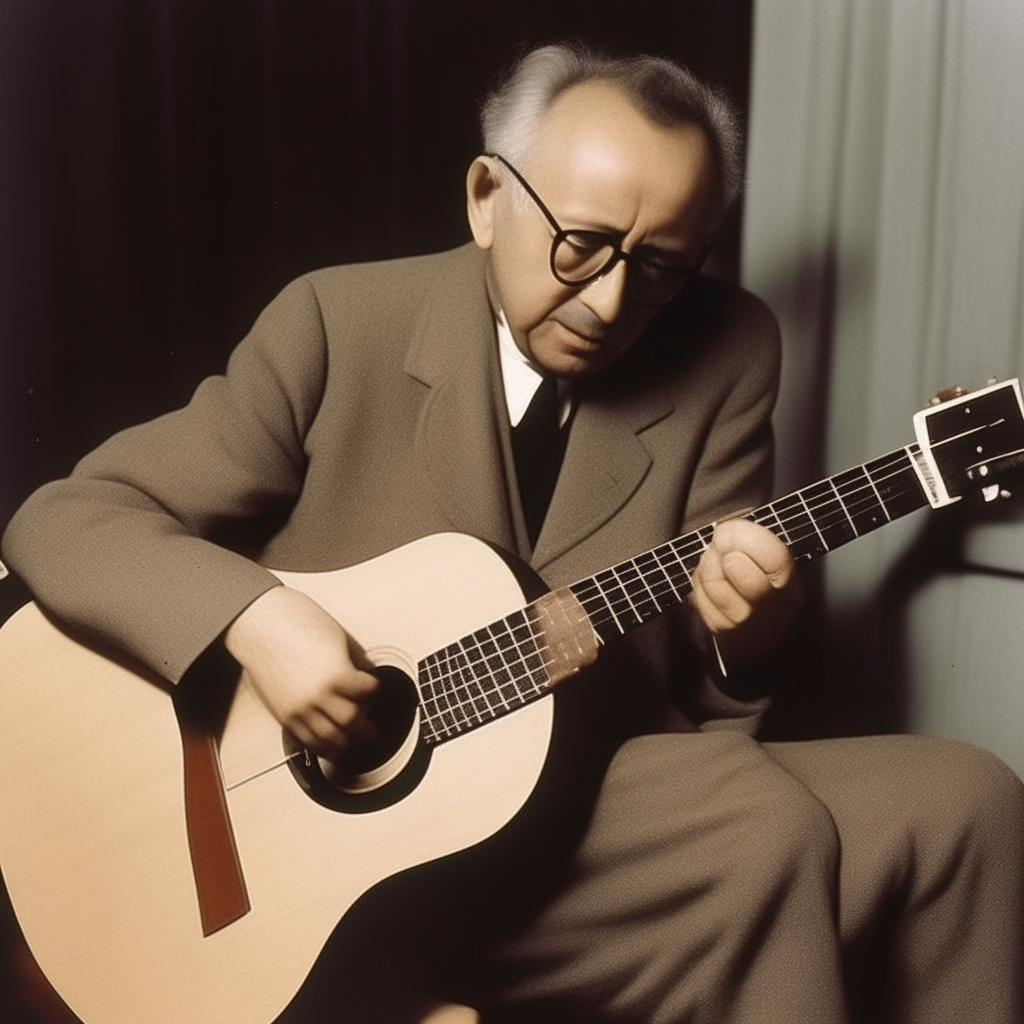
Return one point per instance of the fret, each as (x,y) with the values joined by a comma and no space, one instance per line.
(828,515)
(658,584)
(439,715)
(804,539)
(628,580)
(675,572)
(842,505)
(503,670)
(632,592)
(897,484)
(526,666)
(814,522)
(861,500)
(693,546)
(769,518)
(616,601)
(642,601)
(476,707)
(593,601)
(483,685)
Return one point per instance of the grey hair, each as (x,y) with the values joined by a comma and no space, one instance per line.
(667,93)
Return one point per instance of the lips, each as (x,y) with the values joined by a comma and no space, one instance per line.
(589,342)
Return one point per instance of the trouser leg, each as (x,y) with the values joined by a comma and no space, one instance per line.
(704,890)
(931,884)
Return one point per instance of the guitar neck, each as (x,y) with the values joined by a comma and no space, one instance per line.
(506,664)
(810,522)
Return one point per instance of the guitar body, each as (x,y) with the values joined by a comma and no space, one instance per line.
(93,841)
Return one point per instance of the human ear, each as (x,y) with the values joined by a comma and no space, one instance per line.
(481,195)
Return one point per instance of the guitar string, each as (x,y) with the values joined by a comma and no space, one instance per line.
(832,504)
(695,544)
(458,686)
(264,771)
(458,708)
(469,709)
(845,499)
(654,579)
(510,701)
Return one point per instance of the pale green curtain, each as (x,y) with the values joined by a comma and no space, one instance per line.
(885,226)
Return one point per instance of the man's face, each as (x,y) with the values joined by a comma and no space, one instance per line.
(598,164)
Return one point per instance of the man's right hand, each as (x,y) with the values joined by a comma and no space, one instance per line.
(306,669)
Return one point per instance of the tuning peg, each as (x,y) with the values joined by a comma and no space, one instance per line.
(993,491)
(946,395)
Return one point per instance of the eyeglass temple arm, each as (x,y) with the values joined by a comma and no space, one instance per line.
(529,191)
(699,262)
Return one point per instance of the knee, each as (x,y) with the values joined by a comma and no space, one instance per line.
(966,799)
(981,792)
(791,836)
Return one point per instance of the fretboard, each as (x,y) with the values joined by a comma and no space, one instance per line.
(504,665)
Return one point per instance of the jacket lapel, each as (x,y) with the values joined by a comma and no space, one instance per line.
(605,461)
(463,447)
(464,444)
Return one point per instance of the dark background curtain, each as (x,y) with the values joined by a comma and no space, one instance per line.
(166,166)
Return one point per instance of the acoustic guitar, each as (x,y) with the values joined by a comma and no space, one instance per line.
(168,872)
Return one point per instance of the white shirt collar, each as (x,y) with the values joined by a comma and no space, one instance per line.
(522,378)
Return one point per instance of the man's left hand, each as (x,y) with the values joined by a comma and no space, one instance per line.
(746,589)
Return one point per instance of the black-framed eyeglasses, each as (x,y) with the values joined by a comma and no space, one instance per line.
(579,258)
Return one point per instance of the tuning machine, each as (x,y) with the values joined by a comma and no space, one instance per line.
(955,391)
(993,491)
(947,395)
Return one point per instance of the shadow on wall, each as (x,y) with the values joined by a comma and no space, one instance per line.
(821,680)
(954,630)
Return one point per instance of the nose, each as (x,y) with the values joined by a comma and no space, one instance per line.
(607,295)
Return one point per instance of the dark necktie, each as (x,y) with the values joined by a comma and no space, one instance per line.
(538,445)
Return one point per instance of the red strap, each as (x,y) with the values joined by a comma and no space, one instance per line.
(220,885)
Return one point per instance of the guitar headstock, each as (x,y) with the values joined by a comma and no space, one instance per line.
(970,442)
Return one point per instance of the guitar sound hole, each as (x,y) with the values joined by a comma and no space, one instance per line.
(377,773)
(393,710)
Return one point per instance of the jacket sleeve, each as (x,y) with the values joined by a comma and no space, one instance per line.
(124,547)
(734,475)
(736,466)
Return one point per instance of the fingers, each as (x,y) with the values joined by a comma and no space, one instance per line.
(332,733)
(742,566)
(721,605)
(310,674)
(759,546)
(745,587)
(326,705)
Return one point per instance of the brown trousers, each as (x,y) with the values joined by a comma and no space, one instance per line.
(724,880)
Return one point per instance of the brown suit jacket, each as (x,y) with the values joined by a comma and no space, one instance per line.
(365,409)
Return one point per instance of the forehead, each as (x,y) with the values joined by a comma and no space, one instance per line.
(598,155)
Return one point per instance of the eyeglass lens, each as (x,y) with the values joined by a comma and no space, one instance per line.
(582,256)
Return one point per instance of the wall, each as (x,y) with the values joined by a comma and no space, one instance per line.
(885,225)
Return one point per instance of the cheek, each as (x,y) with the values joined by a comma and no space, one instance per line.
(528,291)
(639,320)
(519,262)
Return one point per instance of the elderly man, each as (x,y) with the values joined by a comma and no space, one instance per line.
(572,390)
